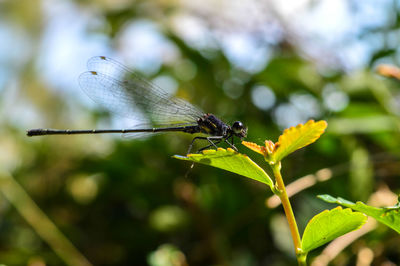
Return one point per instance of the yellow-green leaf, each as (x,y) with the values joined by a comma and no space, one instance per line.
(390,216)
(231,161)
(295,138)
(329,225)
(255,147)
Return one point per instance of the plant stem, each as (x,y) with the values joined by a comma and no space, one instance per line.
(281,192)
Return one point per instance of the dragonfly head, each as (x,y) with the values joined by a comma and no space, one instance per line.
(239,129)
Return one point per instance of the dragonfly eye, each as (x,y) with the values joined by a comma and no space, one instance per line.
(239,129)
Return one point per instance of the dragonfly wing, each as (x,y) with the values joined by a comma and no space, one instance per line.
(136,135)
(125,92)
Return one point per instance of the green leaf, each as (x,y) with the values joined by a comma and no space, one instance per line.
(231,161)
(363,125)
(387,215)
(329,225)
(295,138)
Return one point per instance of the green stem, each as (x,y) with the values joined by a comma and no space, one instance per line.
(281,193)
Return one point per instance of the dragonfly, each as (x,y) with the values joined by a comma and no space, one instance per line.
(125,92)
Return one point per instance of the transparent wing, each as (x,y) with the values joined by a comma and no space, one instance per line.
(126,93)
(141,135)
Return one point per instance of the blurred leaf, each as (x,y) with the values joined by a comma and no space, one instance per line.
(382,53)
(231,161)
(166,255)
(168,218)
(329,225)
(361,110)
(365,125)
(388,215)
(361,173)
(39,221)
(289,66)
(295,138)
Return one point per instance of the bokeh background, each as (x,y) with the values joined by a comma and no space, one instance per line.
(105,200)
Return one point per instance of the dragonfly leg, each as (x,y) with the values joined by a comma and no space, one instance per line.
(231,144)
(191,143)
(213,140)
(212,144)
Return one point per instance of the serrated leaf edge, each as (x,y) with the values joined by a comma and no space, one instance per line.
(311,124)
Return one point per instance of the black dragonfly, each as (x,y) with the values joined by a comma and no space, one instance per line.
(122,91)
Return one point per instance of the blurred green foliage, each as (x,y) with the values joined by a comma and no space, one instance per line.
(128,202)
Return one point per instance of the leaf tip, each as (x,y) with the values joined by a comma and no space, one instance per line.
(297,137)
(254,147)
